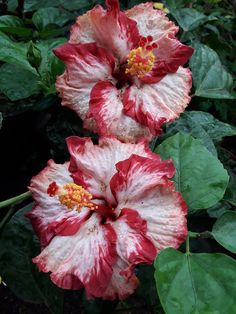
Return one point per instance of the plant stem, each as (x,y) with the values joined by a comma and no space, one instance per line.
(15,199)
(187,245)
(5,218)
(202,235)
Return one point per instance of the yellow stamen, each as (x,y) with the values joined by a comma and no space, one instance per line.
(74,196)
(140,61)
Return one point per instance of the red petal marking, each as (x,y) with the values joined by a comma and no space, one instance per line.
(149,38)
(49,217)
(133,245)
(52,189)
(154,104)
(142,184)
(170,55)
(120,286)
(89,255)
(107,110)
(95,164)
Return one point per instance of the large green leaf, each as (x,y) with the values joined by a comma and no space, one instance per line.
(50,65)
(224,231)
(201,125)
(18,245)
(189,18)
(195,283)
(14,53)
(210,78)
(46,16)
(20,85)
(199,175)
(14,25)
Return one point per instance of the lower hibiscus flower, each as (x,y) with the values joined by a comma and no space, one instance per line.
(111,208)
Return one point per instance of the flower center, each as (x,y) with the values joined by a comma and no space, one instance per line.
(71,195)
(141,60)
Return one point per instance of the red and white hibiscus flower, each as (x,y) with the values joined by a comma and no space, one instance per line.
(124,74)
(111,208)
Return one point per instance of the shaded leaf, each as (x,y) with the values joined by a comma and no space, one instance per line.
(201,125)
(46,16)
(224,231)
(18,245)
(188,18)
(14,53)
(199,176)
(1,120)
(77,4)
(20,85)
(210,78)
(14,25)
(32,5)
(195,283)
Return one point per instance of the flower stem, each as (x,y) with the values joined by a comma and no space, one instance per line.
(7,216)
(187,245)
(15,199)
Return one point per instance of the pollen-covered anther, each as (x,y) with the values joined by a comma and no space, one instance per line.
(141,60)
(73,196)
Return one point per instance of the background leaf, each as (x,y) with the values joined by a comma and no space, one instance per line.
(195,283)
(224,231)
(20,85)
(14,53)
(199,176)
(18,245)
(201,125)
(188,18)
(46,16)
(210,78)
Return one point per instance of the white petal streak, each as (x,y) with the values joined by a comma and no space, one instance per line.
(163,101)
(106,109)
(95,164)
(151,22)
(88,255)
(120,286)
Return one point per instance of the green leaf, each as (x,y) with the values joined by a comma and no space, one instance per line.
(20,85)
(50,65)
(195,283)
(210,78)
(189,19)
(18,245)
(46,16)
(201,125)
(224,231)
(200,176)
(32,5)
(76,4)
(14,53)
(14,25)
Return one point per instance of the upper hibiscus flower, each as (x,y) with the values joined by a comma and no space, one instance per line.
(111,208)
(124,74)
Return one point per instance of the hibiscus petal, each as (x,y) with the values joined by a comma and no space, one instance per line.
(151,22)
(49,216)
(85,65)
(141,184)
(89,255)
(92,166)
(132,244)
(154,104)
(120,287)
(170,55)
(110,28)
(106,109)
